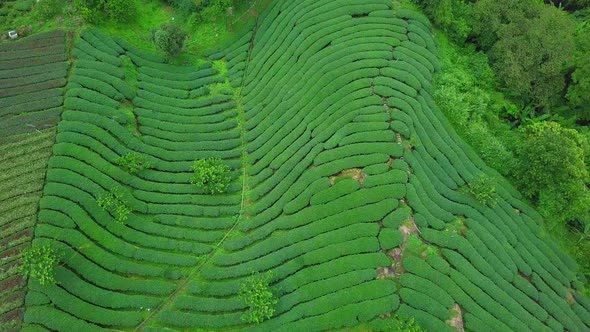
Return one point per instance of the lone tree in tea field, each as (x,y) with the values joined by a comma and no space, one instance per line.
(169,38)
(211,174)
(259,297)
(133,163)
(39,263)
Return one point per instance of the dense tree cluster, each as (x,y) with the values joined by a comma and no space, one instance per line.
(551,169)
(536,49)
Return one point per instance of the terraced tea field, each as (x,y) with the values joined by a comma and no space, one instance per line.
(32,77)
(347,183)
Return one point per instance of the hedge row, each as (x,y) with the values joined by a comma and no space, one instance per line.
(34,87)
(33,79)
(34,52)
(28,71)
(32,106)
(115,82)
(101,67)
(98,54)
(30,62)
(37,40)
(30,97)
(99,43)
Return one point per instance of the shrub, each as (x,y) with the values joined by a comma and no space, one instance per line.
(214,9)
(133,163)
(47,9)
(261,301)
(39,263)
(211,175)
(452,16)
(169,39)
(202,10)
(113,203)
(483,188)
(118,10)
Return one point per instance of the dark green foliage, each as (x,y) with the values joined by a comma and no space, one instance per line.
(453,16)
(112,201)
(530,56)
(169,39)
(133,163)
(491,15)
(578,92)
(530,45)
(258,296)
(576,4)
(211,174)
(551,170)
(39,263)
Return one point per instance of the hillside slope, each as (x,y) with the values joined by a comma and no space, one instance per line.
(348,184)
(316,68)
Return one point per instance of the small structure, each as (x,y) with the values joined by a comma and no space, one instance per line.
(12,34)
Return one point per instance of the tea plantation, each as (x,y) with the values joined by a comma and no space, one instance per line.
(349,189)
(32,77)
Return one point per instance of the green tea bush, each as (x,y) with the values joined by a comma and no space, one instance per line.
(39,262)
(256,292)
(112,202)
(133,163)
(211,175)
